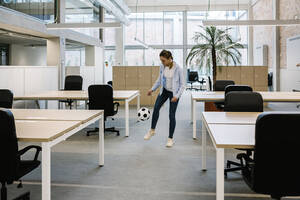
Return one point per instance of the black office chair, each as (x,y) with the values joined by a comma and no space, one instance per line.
(238,88)
(12,168)
(110,83)
(101,98)
(209,83)
(242,101)
(274,169)
(193,77)
(220,85)
(6,98)
(72,82)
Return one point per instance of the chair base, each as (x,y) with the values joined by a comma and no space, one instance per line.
(25,196)
(111,129)
(232,169)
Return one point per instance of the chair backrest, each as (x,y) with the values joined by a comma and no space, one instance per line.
(110,83)
(193,76)
(277,141)
(6,98)
(243,102)
(220,85)
(8,147)
(73,82)
(231,88)
(101,98)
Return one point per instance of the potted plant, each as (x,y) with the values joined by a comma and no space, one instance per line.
(214,47)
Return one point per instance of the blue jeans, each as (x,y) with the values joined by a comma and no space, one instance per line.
(160,100)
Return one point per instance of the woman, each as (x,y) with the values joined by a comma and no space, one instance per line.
(172,81)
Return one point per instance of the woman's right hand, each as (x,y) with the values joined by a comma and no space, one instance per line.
(149,93)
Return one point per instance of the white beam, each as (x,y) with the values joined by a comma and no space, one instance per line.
(84,25)
(123,6)
(289,22)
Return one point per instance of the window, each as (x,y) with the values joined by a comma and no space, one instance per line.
(134,57)
(135,29)
(173,28)
(109,33)
(164,30)
(75,57)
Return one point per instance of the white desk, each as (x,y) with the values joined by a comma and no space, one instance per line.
(226,135)
(219,97)
(119,95)
(51,132)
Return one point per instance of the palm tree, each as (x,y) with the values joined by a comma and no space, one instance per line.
(214,47)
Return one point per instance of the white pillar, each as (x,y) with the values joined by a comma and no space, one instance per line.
(120,39)
(276,48)
(56,57)
(250,37)
(61,7)
(94,56)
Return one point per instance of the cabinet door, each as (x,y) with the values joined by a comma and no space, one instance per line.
(247,76)
(119,77)
(261,88)
(131,77)
(145,99)
(144,77)
(261,76)
(221,73)
(154,74)
(234,73)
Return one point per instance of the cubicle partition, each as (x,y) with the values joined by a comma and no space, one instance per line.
(24,80)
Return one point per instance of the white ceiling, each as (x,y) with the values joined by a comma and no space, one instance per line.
(184,2)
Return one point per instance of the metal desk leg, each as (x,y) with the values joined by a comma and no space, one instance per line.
(37,104)
(203,147)
(194,120)
(138,104)
(126,118)
(86,105)
(46,104)
(75,102)
(192,109)
(220,174)
(46,171)
(101,141)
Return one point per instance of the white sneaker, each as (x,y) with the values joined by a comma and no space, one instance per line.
(170,143)
(149,134)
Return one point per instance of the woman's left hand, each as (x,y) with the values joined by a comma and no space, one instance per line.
(174,99)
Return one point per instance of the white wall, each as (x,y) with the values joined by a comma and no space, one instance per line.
(28,56)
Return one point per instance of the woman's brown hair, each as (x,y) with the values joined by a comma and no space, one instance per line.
(166,54)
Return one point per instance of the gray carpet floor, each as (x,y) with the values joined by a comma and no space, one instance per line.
(138,169)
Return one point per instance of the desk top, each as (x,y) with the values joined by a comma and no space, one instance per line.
(55,115)
(267,96)
(230,117)
(43,131)
(232,135)
(74,95)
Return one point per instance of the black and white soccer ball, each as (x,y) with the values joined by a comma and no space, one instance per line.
(143,114)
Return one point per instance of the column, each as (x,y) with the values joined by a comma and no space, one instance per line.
(250,37)
(120,39)
(276,48)
(94,56)
(56,57)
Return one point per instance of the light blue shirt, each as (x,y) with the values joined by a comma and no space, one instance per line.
(178,81)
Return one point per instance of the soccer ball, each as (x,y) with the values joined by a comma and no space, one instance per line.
(143,114)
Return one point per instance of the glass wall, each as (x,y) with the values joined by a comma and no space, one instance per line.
(82,11)
(164,30)
(41,9)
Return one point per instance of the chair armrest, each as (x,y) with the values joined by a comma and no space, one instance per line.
(296,90)
(116,106)
(23,151)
